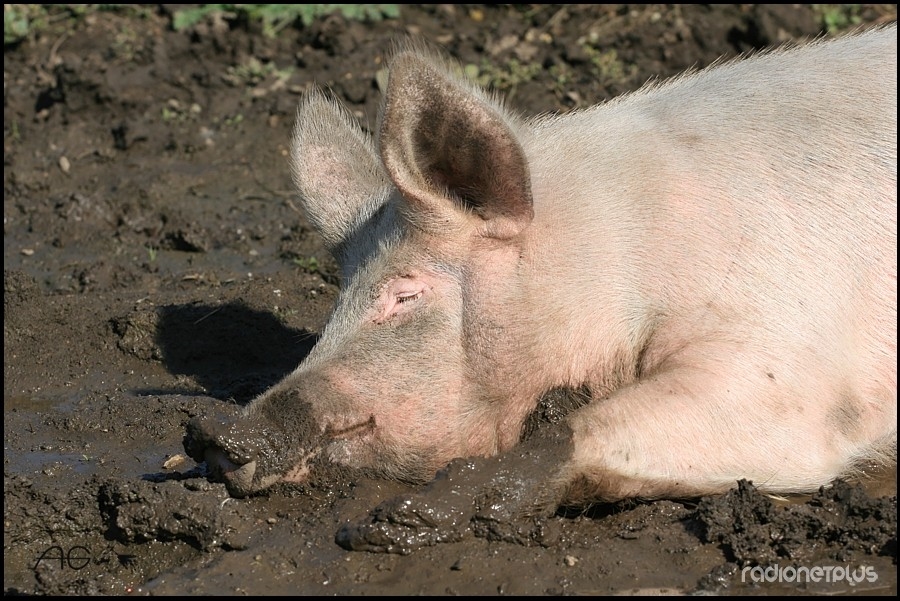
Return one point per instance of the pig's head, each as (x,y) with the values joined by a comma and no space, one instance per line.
(429,227)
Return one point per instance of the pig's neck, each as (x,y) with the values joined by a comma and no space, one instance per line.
(546,311)
(587,321)
(623,239)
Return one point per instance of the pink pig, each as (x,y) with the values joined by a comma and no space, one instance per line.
(712,259)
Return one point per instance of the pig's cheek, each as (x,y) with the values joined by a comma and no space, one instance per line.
(358,424)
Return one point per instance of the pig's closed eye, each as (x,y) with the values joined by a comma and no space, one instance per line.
(405,297)
(399,297)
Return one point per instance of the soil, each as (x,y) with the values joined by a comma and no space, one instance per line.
(156,268)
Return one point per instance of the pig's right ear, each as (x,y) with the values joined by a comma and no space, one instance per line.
(452,150)
(335,168)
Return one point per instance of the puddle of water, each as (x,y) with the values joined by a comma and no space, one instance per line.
(14,402)
(49,462)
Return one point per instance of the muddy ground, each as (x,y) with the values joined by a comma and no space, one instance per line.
(155,267)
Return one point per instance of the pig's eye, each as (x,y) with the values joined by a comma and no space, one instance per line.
(399,298)
(403,297)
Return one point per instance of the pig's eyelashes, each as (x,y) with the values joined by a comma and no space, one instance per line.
(405,297)
(400,296)
(397,302)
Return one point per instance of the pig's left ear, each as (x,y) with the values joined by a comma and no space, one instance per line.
(336,169)
(448,146)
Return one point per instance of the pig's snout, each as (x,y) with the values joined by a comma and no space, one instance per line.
(247,454)
(224,444)
(238,478)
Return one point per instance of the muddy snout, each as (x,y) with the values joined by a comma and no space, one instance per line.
(246,453)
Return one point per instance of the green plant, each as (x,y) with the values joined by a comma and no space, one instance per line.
(19,20)
(23,20)
(561,74)
(561,77)
(607,65)
(14,131)
(254,71)
(502,78)
(233,120)
(126,43)
(283,314)
(308,264)
(176,112)
(837,17)
(275,17)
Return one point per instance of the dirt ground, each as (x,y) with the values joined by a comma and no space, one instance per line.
(156,268)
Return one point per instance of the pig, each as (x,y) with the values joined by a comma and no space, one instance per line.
(711,261)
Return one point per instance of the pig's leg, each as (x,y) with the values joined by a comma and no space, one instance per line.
(722,416)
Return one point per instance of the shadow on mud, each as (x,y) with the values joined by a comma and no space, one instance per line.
(232,351)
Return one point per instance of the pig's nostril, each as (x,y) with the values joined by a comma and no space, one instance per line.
(223,439)
(218,463)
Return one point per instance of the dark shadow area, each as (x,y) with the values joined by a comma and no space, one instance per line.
(601,510)
(233,351)
(554,406)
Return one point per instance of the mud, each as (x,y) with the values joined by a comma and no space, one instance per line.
(156,269)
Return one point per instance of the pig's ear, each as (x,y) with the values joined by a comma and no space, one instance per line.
(335,168)
(446,144)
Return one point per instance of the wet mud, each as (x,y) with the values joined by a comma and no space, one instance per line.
(156,270)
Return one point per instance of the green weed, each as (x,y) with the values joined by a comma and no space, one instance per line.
(21,20)
(254,71)
(176,112)
(275,17)
(308,264)
(234,120)
(503,78)
(838,17)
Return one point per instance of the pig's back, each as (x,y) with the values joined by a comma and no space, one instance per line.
(755,199)
(796,169)
(785,163)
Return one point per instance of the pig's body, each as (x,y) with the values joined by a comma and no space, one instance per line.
(727,251)
(714,258)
